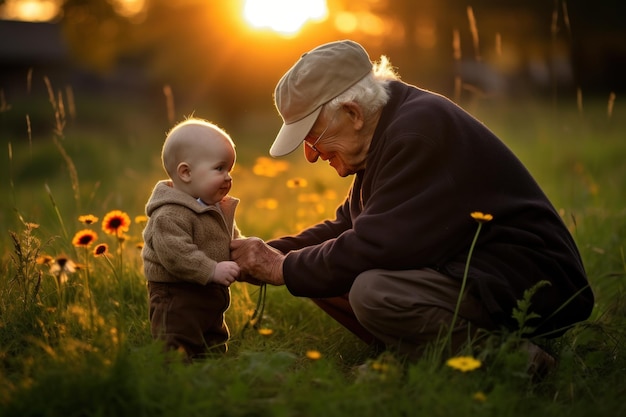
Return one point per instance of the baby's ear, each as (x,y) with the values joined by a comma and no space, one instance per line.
(183,172)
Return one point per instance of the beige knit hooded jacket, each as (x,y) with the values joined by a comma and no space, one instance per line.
(183,239)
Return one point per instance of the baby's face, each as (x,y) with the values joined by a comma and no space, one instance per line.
(210,168)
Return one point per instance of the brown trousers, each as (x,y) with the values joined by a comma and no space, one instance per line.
(189,317)
(406,310)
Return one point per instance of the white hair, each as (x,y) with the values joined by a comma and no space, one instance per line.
(371,92)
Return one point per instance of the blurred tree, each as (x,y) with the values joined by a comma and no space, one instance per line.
(202,49)
(209,57)
(96,34)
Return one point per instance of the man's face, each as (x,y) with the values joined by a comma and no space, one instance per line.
(340,144)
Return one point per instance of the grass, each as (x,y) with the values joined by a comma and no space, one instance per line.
(83,348)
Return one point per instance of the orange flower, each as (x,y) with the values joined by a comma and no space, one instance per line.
(266,203)
(313,354)
(84,238)
(297,183)
(481,217)
(101,249)
(115,223)
(266,167)
(88,219)
(44,260)
(264,331)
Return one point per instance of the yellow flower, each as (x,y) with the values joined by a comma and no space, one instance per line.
(313,354)
(481,217)
(44,260)
(141,219)
(267,203)
(101,249)
(380,366)
(266,167)
(297,183)
(84,238)
(265,331)
(309,198)
(88,219)
(330,194)
(479,396)
(115,223)
(463,363)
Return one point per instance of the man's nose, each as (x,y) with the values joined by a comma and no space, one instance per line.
(310,154)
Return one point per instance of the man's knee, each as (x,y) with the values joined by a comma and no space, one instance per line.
(412,304)
(364,297)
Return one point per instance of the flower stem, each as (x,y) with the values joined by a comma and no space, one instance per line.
(462,291)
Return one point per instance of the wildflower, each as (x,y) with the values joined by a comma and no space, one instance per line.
(309,198)
(463,363)
(142,219)
(44,260)
(267,203)
(264,331)
(379,366)
(481,217)
(313,354)
(266,167)
(61,267)
(139,245)
(330,194)
(84,238)
(88,219)
(479,396)
(101,249)
(297,183)
(115,223)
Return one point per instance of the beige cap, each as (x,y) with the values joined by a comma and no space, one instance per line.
(319,76)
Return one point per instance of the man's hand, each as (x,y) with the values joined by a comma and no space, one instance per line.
(259,260)
(249,279)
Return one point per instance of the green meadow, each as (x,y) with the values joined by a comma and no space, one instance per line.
(74,330)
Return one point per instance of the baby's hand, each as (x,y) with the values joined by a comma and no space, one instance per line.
(226,273)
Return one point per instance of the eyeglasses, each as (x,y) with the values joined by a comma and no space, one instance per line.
(312,145)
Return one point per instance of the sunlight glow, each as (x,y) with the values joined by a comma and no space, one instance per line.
(284,16)
(29,10)
(128,8)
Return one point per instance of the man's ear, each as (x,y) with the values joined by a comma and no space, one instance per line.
(355,114)
(184,172)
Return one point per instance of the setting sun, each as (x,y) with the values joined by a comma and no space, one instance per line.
(284,16)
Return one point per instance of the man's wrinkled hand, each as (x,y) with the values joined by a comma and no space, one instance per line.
(243,277)
(259,260)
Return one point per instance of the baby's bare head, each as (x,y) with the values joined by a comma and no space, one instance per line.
(190,140)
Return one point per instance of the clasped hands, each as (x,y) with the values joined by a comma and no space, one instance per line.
(259,262)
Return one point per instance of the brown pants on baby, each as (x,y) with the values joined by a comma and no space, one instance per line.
(189,317)
(406,310)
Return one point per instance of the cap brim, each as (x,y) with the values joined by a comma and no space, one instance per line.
(292,135)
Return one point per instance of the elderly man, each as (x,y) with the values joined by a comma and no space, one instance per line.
(390,265)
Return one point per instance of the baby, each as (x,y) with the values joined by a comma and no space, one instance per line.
(186,251)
